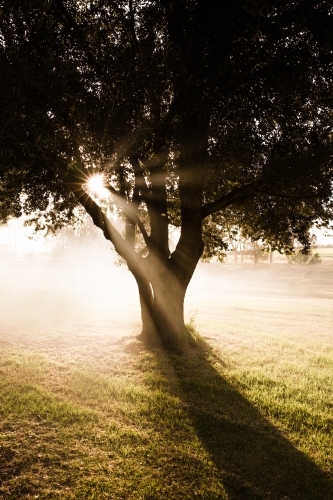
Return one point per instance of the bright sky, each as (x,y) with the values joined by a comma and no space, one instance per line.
(17,238)
(322,239)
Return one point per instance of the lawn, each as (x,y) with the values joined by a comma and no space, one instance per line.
(87,412)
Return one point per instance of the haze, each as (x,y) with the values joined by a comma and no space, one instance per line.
(84,298)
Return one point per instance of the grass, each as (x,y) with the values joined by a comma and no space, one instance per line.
(87,413)
(74,433)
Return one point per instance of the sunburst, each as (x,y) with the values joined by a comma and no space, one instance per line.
(96,186)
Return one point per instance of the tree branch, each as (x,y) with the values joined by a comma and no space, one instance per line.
(233,196)
(76,179)
(135,262)
(102,222)
(129,211)
(245,192)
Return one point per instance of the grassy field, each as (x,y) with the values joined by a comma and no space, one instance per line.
(86,412)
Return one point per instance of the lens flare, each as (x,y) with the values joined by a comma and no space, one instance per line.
(96,186)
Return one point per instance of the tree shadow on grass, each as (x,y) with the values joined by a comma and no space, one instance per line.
(254,460)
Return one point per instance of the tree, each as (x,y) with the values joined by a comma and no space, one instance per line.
(194,111)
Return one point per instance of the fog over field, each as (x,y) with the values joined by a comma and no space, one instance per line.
(90,412)
(85,298)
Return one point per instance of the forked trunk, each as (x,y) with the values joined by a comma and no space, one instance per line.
(162,309)
(163,317)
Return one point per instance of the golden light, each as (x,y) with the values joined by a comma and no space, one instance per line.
(96,186)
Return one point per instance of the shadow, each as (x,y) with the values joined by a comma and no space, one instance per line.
(253,459)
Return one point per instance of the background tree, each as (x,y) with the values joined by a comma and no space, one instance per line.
(188,108)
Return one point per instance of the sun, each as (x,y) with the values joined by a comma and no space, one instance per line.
(96,186)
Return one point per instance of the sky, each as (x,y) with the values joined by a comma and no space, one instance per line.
(20,240)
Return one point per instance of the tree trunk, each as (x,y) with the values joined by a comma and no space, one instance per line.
(149,333)
(162,297)
(163,316)
(168,312)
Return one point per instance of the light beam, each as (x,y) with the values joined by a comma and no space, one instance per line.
(96,187)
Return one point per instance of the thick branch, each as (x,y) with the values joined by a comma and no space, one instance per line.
(135,262)
(102,222)
(249,190)
(233,197)
(155,198)
(76,180)
(129,210)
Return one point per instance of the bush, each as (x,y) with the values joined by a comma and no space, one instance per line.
(304,259)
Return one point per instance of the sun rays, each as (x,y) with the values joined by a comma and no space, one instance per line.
(95,186)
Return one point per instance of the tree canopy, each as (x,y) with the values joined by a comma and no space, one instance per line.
(196,112)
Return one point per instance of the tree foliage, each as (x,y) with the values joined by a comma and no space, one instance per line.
(197,112)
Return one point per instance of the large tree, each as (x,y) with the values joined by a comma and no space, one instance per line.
(196,112)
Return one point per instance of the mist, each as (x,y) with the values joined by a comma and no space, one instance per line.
(65,298)
(81,297)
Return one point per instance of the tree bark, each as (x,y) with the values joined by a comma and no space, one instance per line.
(168,313)
(162,297)
(149,333)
